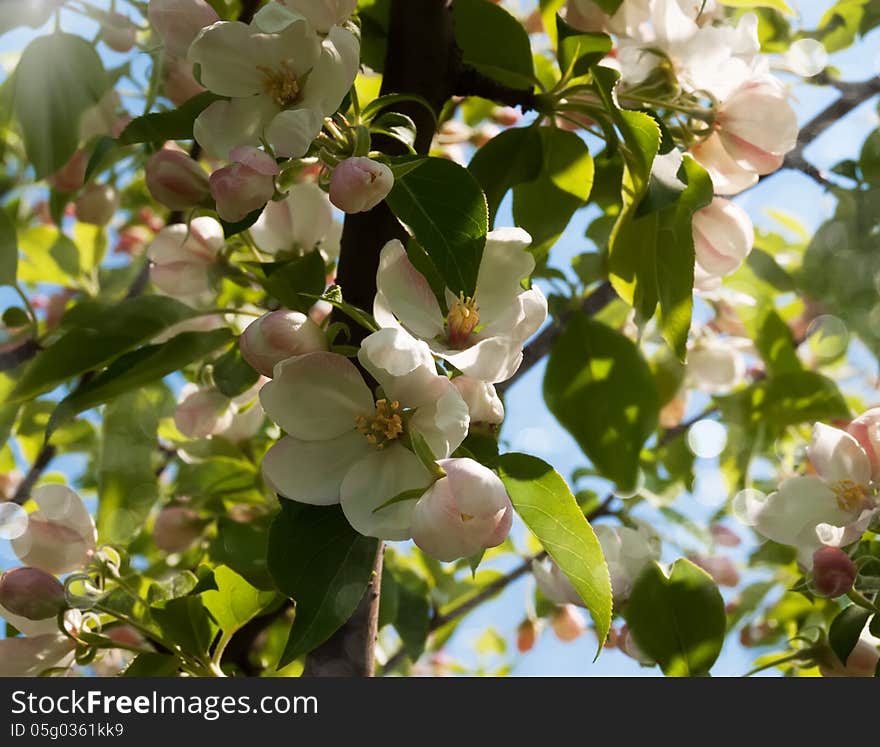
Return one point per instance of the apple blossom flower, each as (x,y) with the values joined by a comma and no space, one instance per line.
(723,236)
(60,535)
(832,507)
(202,412)
(484,404)
(118,32)
(728,177)
(278,335)
(178,22)
(716,364)
(343,445)
(627,551)
(177,528)
(861,662)
(182,257)
(866,430)
(463,513)
(176,180)
(482,336)
(323,14)
(97,204)
(554,584)
(298,224)
(282,80)
(834,572)
(568,623)
(359,184)
(42,647)
(245,185)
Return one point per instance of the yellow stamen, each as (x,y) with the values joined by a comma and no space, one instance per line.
(386,425)
(281,84)
(462,320)
(850,495)
(466,517)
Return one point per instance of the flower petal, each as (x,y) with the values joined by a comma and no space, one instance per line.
(405,292)
(837,456)
(226,52)
(494,359)
(376,479)
(316,396)
(30,657)
(291,132)
(334,72)
(227,125)
(506,261)
(443,423)
(312,471)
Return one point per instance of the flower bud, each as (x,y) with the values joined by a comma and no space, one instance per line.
(724,536)
(757,125)
(506,116)
(833,572)
(71,176)
(567,622)
(526,635)
(715,366)
(176,180)
(178,22)
(202,412)
(359,184)
(118,32)
(277,336)
(245,186)
(176,528)
(60,535)
(323,14)
(178,82)
(97,204)
(31,593)
(463,513)
(484,405)
(182,257)
(627,551)
(866,430)
(9,482)
(132,240)
(721,569)
(723,236)
(554,584)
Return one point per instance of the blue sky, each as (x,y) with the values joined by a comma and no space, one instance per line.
(530,427)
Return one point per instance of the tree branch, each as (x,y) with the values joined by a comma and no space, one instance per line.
(471,82)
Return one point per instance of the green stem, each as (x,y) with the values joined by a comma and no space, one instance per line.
(862,601)
(776,662)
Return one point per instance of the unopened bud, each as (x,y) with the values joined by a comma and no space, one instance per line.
(177,528)
(176,180)
(202,413)
(178,22)
(526,635)
(567,622)
(31,593)
(245,186)
(724,536)
(833,572)
(279,335)
(97,204)
(71,175)
(118,32)
(359,184)
(506,116)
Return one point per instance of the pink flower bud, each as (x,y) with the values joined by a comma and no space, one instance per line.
(31,593)
(70,177)
(728,177)
(585,15)
(9,481)
(132,240)
(463,513)
(178,22)
(176,528)
(723,236)
(118,32)
(97,204)
(244,186)
(757,125)
(567,622)
(359,184)
(202,412)
(60,535)
(724,536)
(721,569)
(176,180)
(506,116)
(484,405)
(277,336)
(833,572)
(182,257)
(526,636)
(866,430)
(178,82)
(57,305)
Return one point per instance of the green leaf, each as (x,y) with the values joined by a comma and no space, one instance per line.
(412,618)
(297,282)
(544,205)
(47,256)
(319,561)
(152,665)
(127,483)
(577,50)
(187,622)
(234,602)
(545,503)
(845,630)
(243,548)
(445,209)
(233,375)
(678,621)
(651,257)
(869,160)
(776,344)
(58,77)
(494,42)
(8,250)
(510,158)
(98,333)
(136,369)
(176,124)
(601,389)
(780,5)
